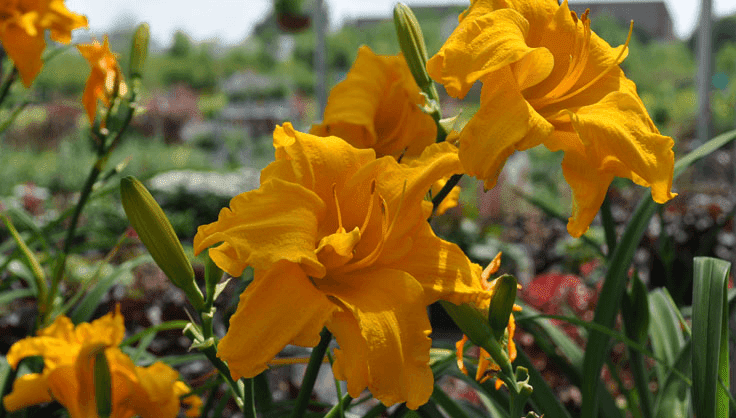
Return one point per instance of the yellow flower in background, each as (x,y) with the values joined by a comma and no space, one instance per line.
(548,79)
(378,106)
(23,25)
(338,238)
(104,78)
(69,352)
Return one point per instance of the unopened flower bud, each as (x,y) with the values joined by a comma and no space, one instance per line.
(139,50)
(157,234)
(412,45)
(502,303)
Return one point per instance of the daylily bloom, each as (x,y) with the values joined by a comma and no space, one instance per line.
(548,79)
(69,354)
(338,238)
(378,106)
(104,80)
(487,368)
(23,25)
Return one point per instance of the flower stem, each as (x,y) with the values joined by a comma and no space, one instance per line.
(609,225)
(5,88)
(452,182)
(249,405)
(61,265)
(310,376)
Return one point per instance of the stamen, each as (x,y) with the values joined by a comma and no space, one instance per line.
(337,207)
(373,255)
(398,209)
(615,63)
(370,208)
(577,61)
(385,232)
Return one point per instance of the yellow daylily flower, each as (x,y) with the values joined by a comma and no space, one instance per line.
(338,238)
(378,106)
(69,354)
(548,79)
(23,25)
(104,79)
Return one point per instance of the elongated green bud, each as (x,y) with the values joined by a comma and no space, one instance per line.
(502,303)
(157,234)
(103,385)
(139,50)
(412,45)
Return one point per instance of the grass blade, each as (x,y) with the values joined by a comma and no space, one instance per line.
(710,337)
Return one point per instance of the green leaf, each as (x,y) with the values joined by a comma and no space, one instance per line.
(31,262)
(673,397)
(664,330)
(615,281)
(11,295)
(668,344)
(710,337)
(180,324)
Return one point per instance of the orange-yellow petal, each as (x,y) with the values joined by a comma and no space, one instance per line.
(314,162)
(389,308)
(443,270)
(105,73)
(155,394)
(484,42)
(29,389)
(616,141)
(276,222)
(108,330)
(504,123)
(281,306)
(25,50)
(350,359)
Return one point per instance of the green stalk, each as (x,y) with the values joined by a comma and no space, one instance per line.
(61,266)
(211,353)
(5,88)
(339,409)
(249,405)
(609,226)
(310,376)
(452,182)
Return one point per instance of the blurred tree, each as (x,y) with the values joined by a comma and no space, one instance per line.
(181,46)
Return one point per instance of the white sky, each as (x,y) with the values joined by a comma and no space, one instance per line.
(230,21)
